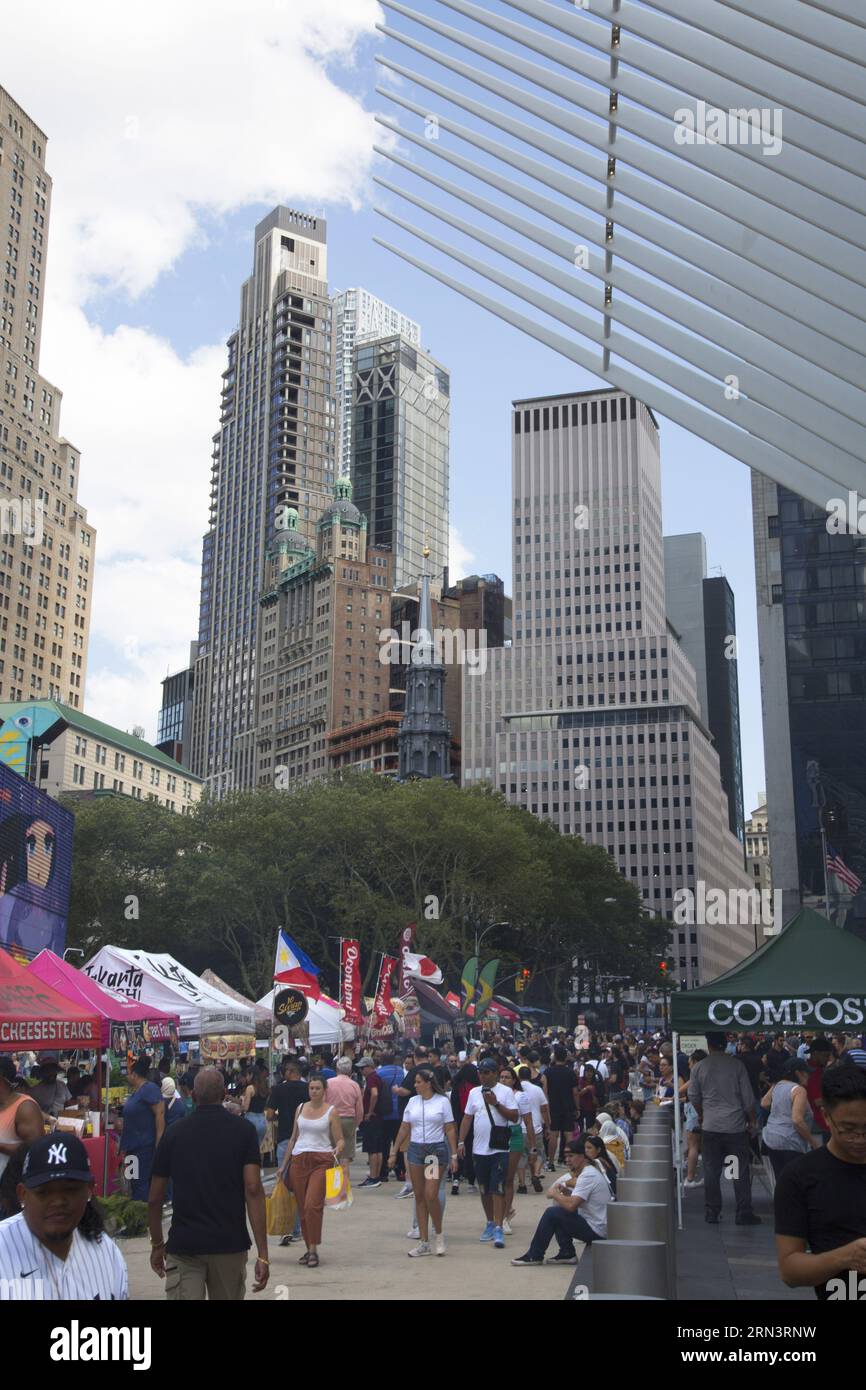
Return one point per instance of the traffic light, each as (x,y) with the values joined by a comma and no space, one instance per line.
(522,979)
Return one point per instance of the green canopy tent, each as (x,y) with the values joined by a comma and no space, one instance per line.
(811,976)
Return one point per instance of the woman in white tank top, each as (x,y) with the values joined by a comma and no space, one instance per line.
(315,1146)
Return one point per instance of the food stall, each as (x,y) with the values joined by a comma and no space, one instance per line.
(122,1023)
(159,982)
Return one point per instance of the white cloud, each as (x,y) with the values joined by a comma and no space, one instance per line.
(461,560)
(158,117)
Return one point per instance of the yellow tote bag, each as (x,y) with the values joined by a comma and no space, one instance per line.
(281,1208)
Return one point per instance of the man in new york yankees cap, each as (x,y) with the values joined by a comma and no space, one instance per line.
(56,1247)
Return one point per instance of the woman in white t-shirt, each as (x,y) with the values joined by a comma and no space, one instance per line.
(521,1142)
(428,1120)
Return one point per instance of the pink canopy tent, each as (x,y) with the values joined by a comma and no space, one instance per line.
(110,1008)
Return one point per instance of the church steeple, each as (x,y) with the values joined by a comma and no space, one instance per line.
(424,740)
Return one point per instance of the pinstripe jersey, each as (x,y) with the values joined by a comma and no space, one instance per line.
(28,1270)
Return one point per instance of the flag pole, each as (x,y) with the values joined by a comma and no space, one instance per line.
(824,857)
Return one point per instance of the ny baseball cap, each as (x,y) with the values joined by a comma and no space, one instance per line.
(54,1157)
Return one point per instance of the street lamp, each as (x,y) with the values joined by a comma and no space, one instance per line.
(493,925)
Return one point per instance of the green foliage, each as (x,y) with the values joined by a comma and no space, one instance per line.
(358,857)
(123,1216)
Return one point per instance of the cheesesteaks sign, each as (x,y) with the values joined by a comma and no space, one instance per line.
(792,1013)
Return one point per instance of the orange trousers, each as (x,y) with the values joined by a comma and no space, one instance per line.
(307,1175)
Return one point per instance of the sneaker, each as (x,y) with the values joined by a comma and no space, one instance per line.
(711,1218)
(405,1191)
(498,1238)
(506,1228)
(370,1182)
(421,1249)
(750,1219)
(440,1244)
(563,1260)
(413,1234)
(487,1233)
(550,1167)
(472,1190)
(693,1182)
(455,1189)
(526,1260)
(536,1185)
(521,1191)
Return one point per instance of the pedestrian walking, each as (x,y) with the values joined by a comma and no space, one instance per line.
(254,1102)
(315,1146)
(143,1128)
(521,1141)
(540,1124)
(429,1122)
(172,1104)
(344,1093)
(788,1131)
(721,1092)
(213,1164)
(492,1109)
(563,1099)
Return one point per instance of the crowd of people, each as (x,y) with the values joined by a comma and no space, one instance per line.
(490,1119)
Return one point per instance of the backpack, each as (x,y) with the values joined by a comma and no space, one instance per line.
(384,1100)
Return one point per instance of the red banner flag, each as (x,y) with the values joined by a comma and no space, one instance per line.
(350,981)
(382,1005)
(407,941)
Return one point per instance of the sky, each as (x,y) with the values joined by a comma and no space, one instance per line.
(172,129)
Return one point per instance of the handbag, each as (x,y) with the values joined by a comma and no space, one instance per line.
(338,1189)
(500,1135)
(281,1209)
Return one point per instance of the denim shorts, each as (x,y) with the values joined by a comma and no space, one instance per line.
(420,1154)
(491,1171)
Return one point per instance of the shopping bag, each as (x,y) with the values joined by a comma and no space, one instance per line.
(338,1189)
(281,1209)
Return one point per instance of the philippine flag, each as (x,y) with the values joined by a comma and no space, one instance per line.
(421,968)
(293,966)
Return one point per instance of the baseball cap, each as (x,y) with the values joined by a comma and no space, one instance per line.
(54,1157)
(366,1062)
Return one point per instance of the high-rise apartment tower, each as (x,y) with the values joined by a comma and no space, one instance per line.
(47,547)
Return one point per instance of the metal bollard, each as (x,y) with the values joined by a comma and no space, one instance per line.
(647,1168)
(645,1221)
(654,1190)
(630,1267)
(659,1152)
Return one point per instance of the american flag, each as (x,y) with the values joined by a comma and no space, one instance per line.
(836,865)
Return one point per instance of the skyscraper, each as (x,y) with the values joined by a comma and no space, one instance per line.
(323,608)
(703,612)
(811,583)
(400,453)
(276,448)
(591,718)
(47,547)
(359,316)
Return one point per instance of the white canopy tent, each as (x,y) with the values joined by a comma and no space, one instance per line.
(325,1021)
(161,982)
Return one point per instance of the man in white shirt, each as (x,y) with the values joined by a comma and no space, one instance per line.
(55,1249)
(488,1105)
(578,1211)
